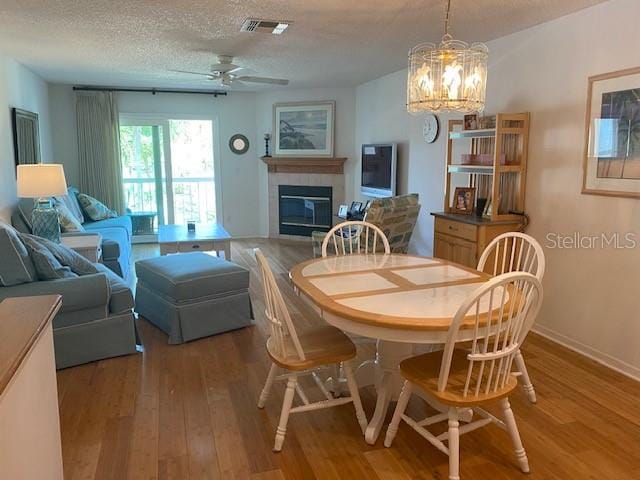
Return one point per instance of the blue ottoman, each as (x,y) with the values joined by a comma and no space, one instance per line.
(193,295)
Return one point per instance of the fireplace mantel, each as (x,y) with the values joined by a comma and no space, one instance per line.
(333,165)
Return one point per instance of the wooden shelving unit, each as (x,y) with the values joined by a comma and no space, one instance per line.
(505,183)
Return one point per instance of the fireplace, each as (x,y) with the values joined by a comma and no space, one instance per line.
(303,209)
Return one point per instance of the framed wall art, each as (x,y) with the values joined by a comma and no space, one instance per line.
(611,164)
(303,129)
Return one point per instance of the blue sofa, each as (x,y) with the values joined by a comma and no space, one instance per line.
(116,232)
(96,320)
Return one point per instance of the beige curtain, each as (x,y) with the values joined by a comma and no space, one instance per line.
(99,148)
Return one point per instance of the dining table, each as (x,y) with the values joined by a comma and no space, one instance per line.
(402,301)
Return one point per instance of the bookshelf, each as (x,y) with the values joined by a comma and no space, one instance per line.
(503,182)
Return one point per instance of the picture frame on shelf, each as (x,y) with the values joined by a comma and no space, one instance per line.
(486,122)
(611,160)
(304,129)
(464,200)
(470,122)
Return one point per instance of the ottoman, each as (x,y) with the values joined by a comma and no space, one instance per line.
(193,295)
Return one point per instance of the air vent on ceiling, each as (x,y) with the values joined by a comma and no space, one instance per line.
(276,27)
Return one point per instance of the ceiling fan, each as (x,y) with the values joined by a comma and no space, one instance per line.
(228,73)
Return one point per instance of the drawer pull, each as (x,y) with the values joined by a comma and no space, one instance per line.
(451,228)
(195,246)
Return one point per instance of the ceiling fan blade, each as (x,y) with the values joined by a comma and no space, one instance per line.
(193,73)
(271,81)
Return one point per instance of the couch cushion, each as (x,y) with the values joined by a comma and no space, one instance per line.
(15,266)
(191,275)
(46,264)
(24,208)
(123,222)
(121,299)
(69,258)
(94,208)
(68,221)
(71,202)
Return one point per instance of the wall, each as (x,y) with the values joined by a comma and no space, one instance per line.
(20,88)
(590,302)
(343,140)
(235,113)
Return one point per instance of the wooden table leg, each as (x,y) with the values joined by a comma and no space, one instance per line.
(227,250)
(388,358)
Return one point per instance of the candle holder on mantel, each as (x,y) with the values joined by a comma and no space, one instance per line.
(267,137)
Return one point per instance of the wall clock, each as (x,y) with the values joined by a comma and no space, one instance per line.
(239,144)
(430,128)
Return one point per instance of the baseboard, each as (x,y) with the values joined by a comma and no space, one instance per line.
(595,355)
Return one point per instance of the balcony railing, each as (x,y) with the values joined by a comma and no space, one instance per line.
(194,199)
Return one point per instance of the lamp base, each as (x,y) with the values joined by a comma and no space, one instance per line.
(45,222)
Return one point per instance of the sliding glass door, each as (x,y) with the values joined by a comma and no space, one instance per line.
(168,171)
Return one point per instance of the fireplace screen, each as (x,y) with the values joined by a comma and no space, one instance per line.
(304,209)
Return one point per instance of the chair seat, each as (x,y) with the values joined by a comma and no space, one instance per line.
(423,371)
(324,345)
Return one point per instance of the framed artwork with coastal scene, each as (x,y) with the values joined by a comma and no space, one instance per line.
(612,135)
(304,129)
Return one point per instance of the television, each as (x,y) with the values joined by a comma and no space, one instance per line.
(379,170)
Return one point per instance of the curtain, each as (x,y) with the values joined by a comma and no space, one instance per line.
(99,148)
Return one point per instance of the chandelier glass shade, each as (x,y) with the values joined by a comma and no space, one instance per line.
(449,77)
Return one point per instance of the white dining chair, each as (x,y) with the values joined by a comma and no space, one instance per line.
(515,252)
(496,317)
(355,237)
(302,354)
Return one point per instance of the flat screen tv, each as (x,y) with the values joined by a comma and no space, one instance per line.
(379,170)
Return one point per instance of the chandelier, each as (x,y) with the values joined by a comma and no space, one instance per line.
(449,77)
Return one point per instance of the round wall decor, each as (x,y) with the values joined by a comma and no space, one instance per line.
(239,144)
(430,128)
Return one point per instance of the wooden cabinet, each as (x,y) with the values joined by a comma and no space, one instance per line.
(30,445)
(463,238)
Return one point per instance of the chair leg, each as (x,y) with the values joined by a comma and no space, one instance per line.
(527,386)
(401,406)
(264,395)
(355,395)
(510,421)
(281,431)
(454,444)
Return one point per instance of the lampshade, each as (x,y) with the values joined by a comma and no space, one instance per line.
(41,180)
(449,77)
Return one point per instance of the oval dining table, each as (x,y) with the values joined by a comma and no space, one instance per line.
(400,300)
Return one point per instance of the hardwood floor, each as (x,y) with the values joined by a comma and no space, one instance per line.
(189,412)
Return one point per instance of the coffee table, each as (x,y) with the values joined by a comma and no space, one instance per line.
(206,237)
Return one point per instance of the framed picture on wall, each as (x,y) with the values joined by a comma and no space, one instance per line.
(304,129)
(611,164)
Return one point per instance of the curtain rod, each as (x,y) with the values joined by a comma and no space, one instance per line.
(152,91)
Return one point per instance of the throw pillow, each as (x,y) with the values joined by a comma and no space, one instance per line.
(15,265)
(46,264)
(95,209)
(68,257)
(68,221)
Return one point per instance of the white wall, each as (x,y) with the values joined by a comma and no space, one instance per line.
(20,88)
(235,113)
(591,295)
(343,140)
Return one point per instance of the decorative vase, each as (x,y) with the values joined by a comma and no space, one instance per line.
(45,222)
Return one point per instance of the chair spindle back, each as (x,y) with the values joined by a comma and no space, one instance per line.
(281,325)
(501,313)
(355,237)
(513,252)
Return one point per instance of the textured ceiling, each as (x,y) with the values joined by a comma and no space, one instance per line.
(331,43)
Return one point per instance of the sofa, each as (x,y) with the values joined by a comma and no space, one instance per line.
(116,232)
(96,319)
(395,216)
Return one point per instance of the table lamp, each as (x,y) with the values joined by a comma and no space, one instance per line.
(43,181)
